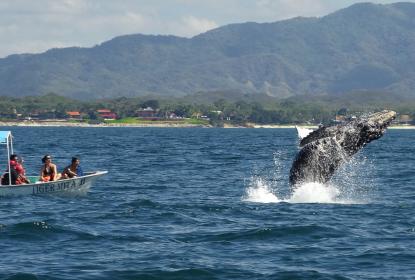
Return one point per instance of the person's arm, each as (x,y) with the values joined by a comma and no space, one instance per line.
(55,172)
(42,173)
(70,172)
(25,179)
(19,168)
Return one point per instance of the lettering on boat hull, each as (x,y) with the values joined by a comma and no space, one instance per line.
(58,186)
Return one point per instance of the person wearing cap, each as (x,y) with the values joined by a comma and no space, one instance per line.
(72,170)
(49,171)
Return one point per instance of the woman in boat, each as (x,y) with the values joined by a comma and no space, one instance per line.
(72,170)
(49,171)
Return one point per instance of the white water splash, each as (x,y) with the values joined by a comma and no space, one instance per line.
(350,184)
(303,132)
(260,192)
(314,193)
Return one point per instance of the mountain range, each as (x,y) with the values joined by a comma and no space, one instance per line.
(365,47)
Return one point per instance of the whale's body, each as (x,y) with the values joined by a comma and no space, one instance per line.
(325,149)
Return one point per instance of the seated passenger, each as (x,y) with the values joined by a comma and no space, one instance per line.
(49,171)
(72,170)
(18,172)
(5,178)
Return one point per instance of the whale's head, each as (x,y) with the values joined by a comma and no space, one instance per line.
(373,126)
(357,132)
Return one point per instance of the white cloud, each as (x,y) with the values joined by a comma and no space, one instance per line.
(67,6)
(290,8)
(191,26)
(32,46)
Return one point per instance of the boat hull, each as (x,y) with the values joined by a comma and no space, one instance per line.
(60,186)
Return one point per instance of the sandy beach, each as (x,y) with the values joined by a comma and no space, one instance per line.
(72,124)
(162,124)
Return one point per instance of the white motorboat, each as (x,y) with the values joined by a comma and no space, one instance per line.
(36,187)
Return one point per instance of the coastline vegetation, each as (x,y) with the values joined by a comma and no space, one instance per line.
(220,112)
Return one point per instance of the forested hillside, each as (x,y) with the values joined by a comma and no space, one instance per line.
(363,47)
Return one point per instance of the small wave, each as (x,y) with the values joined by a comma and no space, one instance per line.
(32,226)
(19,276)
(202,272)
(171,273)
(140,203)
(280,232)
(44,230)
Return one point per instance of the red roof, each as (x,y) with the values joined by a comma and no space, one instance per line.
(104,111)
(73,114)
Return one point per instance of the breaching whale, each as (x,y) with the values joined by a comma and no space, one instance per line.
(326,148)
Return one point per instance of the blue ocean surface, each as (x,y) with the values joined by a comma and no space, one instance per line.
(209,204)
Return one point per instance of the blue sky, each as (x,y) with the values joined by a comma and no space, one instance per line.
(33,26)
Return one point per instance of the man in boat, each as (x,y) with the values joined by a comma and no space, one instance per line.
(49,171)
(73,170)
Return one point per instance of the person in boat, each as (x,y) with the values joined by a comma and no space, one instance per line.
(73,170)
(18,173)
(5,178)
(17,163)
(49,171)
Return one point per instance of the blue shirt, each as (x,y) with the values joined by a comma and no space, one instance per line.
(79,171)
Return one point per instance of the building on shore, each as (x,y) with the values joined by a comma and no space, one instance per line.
(74,115)
(106,114)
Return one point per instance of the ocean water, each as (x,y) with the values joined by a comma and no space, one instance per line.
(209,204)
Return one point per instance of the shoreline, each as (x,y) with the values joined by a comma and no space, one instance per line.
(164,125)
(70,124)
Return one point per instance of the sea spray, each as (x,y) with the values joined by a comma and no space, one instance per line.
(354,180)
(268,185)
(349,185)
(314,193)
(260,192)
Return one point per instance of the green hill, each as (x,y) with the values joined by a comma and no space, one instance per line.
(363,47)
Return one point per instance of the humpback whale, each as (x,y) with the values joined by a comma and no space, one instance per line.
(325,149)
